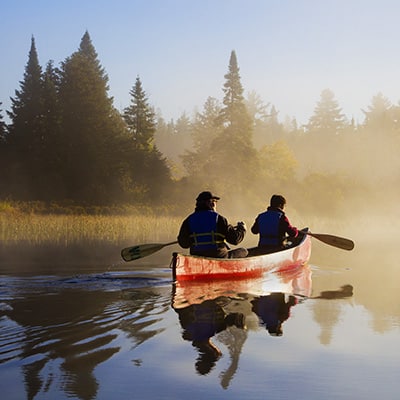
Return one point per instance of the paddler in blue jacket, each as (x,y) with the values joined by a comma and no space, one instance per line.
(272,225)
(206,232)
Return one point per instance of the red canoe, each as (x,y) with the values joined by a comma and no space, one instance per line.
(188,267)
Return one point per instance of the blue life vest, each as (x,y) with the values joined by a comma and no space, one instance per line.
(203,230)
(268,223)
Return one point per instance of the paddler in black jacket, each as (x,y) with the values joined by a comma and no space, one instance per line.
(206,232)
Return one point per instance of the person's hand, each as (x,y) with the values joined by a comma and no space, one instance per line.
(242,225)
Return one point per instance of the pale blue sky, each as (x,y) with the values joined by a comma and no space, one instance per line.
(288,50)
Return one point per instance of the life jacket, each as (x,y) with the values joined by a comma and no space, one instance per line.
(203,230)
(268,223)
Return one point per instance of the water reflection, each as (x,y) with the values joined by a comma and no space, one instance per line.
(344,292)
(105,337)
(60,334)
(273,310)
(71,332)
(200,322)
(331,308)
(222,309)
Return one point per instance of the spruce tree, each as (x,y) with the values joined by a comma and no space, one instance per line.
(25,136)
(140,118)
(328,118)
(92,130)
(149,172)
(234,113)
(232,152)
(380,116)
(224,159)
(205,128)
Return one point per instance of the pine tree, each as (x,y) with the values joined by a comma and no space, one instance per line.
(150,175)
(228,158)
(234,114)
(205,128)
(232,152)
(380,115)
(328,117)
(92,131)
(140,118)
(266,127)
(25,136)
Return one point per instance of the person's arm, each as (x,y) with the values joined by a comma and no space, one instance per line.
(292,231)
(184,235)
(255,228)
(233,234)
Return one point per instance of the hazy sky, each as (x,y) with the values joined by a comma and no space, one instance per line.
(288,50)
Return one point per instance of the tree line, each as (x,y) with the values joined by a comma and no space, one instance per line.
(67,142)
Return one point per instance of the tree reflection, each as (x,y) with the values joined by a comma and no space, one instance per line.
(73,331)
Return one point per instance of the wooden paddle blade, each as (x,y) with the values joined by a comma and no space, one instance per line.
(142,250)
(336,241)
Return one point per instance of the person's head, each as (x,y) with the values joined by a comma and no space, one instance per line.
(209,354)
(278,201)
(206,201)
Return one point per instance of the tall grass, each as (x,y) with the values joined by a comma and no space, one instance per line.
(68,229)
(72,240)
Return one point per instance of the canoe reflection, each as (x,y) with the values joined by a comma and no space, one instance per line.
(226,309)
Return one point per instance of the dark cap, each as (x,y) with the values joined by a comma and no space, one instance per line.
(204,196)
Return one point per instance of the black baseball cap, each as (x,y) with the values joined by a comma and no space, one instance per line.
(203,196)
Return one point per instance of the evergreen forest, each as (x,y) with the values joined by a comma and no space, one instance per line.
(66,143)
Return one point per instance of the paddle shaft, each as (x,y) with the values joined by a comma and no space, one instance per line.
(142,250)
(336,241)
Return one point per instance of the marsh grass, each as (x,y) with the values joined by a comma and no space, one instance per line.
(66,229)
(77,238)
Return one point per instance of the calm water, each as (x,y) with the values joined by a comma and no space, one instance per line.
(124,331)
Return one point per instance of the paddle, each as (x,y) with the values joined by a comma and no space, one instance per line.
(142,250)
(341,243)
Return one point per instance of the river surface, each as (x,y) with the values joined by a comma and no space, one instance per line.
(124,330)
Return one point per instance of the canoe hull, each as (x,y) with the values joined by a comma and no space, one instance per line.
(188,267)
